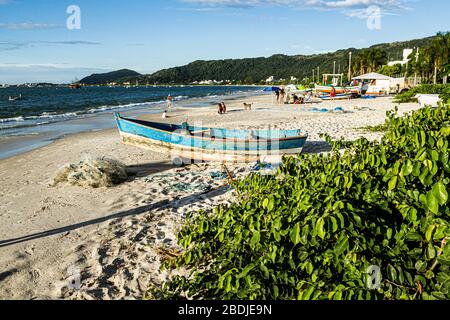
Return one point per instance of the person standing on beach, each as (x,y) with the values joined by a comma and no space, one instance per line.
(282,96)
(333,93)
(277,94)
(224,108)
(169,102)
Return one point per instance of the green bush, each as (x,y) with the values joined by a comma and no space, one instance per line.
(312,230)
(442,89)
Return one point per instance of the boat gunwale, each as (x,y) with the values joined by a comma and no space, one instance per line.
(206,137)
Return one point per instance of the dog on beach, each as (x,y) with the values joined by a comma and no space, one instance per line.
(248,106)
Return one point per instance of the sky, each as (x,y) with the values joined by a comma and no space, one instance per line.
(59,41)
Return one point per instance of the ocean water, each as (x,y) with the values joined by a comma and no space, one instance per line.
(42,105)
(46,114)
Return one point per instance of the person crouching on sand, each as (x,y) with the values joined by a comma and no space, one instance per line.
(222,108)
(164,115)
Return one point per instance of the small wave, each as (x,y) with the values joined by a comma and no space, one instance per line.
(51,117)
(15,119)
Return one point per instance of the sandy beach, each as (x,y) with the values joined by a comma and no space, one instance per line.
(114,239)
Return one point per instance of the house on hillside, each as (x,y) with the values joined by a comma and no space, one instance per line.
(406,54)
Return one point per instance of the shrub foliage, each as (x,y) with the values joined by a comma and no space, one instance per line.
(442,89)
(312,230)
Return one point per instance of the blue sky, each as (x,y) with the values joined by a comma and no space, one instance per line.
(36,45)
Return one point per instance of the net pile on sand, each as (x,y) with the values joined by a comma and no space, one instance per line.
(93,173)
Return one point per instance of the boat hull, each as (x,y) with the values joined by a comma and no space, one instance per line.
(339,90)
(202,147)
(338,97)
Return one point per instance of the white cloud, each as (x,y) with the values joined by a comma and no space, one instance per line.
(353,8)
(28,26)
(16,45)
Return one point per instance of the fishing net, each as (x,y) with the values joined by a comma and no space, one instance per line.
(94,173)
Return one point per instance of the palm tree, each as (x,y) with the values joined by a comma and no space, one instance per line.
(370,60)
(440,47)
(433,60)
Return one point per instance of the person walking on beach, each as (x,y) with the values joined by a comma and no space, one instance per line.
(169,102)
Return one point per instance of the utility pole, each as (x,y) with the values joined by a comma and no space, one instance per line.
(334,68)
(417,60)
(314,77)
(318,75)
(350,67)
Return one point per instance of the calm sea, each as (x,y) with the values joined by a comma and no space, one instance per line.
(46,114)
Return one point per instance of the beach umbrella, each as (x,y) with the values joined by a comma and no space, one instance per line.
(272,89)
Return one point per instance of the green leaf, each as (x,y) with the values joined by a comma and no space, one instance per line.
(307,294)
(413,236)
(440,193)
(334,225)
(255,238)
(407,168)
(228,284)
(432,202)
(392,272)
(270,205)
(446,251)
(389,233)
(431,251)
(421,266)
(341,246)
(320,228)
(188,257)
(295,234)
(383,156)
(429,233)
(393,183)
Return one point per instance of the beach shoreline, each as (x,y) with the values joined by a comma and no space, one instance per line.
(114,239)
(27,137)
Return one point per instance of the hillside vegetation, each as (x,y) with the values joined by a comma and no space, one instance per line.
(115,76)
(257,70)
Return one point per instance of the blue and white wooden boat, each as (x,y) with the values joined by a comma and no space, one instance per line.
(211,144)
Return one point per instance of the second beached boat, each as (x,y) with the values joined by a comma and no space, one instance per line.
(337,97)
(327,89)
(211,144)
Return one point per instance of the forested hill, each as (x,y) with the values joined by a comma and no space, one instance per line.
(115,76)
(256,70)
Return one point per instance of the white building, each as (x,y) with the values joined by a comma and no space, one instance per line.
(374,84)
(406,54)
(270,79)
(207,82)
